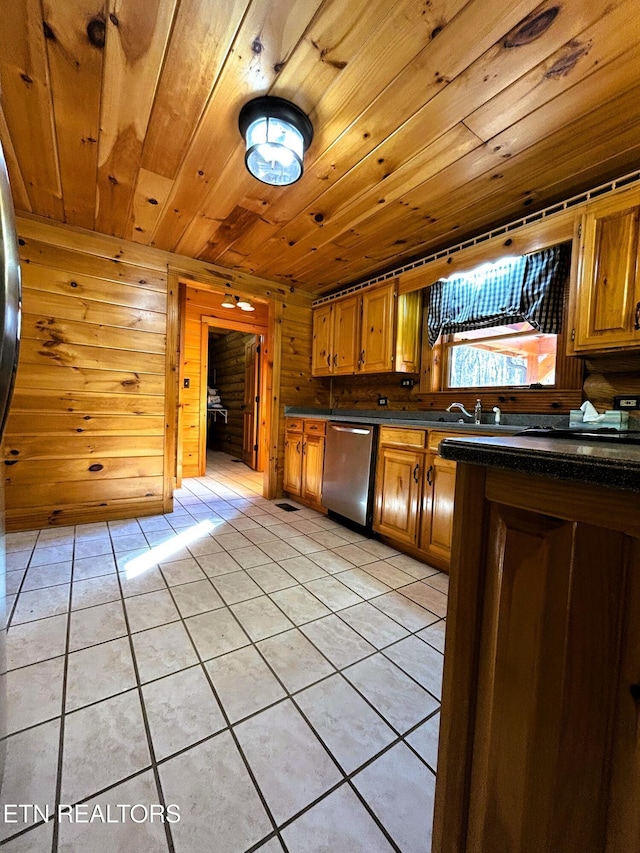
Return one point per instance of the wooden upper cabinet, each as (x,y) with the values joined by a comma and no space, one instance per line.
(606,297)
(322,343)
(375,331)
(378,308)
(346,327)
(408,325)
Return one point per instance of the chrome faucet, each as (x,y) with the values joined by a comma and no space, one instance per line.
(477,412)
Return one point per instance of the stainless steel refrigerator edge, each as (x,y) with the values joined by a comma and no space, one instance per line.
(10,307)
(348,471)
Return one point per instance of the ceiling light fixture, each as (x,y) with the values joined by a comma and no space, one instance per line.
(243,303)
(276,133)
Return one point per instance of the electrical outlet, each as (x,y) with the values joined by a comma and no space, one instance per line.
(383,401)
(627,402)
(186,383)
(407,383)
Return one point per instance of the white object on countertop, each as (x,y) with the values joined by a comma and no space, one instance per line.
(588,415)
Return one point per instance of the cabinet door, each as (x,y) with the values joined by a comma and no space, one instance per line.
(312,465)
(377,334)
(608,302)
(548,682)
(292,463)
(346,335)
(322,345)
(437,518)
(398,493)
(408,326)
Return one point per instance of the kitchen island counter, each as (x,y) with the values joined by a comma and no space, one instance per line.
(539,746)
(601,463)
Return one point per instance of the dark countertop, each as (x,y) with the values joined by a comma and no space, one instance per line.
(448,421)
(616,466)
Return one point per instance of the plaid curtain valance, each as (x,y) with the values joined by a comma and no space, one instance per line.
(529,288)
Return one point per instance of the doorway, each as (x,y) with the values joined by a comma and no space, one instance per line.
(233,371)
(200,309)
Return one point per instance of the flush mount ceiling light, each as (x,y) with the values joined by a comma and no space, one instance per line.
(230,301)
(276,133)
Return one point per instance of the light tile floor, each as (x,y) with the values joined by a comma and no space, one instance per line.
(273,674)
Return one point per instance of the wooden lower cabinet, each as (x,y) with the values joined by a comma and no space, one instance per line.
(437,517)
(398,494)
(539,745)
(304,460)
(312,466)
(293,457)
(414,493)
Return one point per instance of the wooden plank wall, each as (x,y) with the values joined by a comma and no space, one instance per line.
(85,436)
(226,354)
(297,388)
(611,375)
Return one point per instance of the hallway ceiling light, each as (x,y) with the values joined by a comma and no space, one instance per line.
(231,300)
(276,133)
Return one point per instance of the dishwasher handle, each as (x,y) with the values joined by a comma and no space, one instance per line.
(355,430)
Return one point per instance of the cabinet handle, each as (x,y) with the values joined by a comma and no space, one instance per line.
(362,357)
(329,360)
(335,359)
(637,317)
(429,473)
(304,444)
(416,471)
(298,448)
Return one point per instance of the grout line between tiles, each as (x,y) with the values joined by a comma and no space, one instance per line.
(145,720)
(58,791)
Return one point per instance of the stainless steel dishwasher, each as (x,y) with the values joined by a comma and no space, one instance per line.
(347,483)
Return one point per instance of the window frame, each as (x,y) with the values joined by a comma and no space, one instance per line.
(566,394)
(449,344)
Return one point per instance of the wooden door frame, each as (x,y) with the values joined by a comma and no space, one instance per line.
(270,380)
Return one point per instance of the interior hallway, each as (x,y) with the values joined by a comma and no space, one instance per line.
(273,674)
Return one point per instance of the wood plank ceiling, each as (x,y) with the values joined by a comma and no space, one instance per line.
(434,120)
